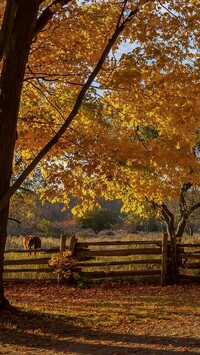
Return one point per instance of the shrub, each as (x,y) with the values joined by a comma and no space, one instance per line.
(63,264)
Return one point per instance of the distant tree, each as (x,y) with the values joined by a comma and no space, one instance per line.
(98,219)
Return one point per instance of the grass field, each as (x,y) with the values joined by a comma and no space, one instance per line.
(105,320)
(16,242)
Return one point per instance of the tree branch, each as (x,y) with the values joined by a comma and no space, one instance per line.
(14,220)
(122,12)
(182,203)
(47,15)
(167,216)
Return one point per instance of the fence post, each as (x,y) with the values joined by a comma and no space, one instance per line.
(62,248)
(164,259)
(62,242)
(173,260)
(73,244)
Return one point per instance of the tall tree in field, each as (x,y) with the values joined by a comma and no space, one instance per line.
(51,54)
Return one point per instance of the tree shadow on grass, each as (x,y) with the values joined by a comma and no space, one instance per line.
(35,330)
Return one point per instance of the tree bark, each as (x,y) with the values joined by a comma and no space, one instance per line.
(180,229)
(11,81)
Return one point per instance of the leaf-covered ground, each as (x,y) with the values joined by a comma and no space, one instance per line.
(107,319)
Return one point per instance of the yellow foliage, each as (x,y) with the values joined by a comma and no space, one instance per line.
(63,264)
(137,127)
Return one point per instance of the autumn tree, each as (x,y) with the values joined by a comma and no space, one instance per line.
(48,48)
(56,59)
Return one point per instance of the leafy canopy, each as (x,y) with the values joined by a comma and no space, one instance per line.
(137,129)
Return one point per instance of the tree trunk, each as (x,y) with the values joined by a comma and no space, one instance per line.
(180,229)
(168,219)
(11,81)
(3,224)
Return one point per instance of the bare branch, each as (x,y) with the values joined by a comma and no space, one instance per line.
(14,220)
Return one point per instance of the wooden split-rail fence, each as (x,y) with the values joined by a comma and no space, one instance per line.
(33,264)
(120,259)
(114,259)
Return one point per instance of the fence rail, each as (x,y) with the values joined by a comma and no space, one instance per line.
(32,251)
(35,266)
(188,261)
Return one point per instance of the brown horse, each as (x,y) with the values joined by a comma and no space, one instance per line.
(31,242)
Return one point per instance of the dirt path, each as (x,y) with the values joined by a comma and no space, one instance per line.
(107,320)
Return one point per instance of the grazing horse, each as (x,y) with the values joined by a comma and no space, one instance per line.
(31,242)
